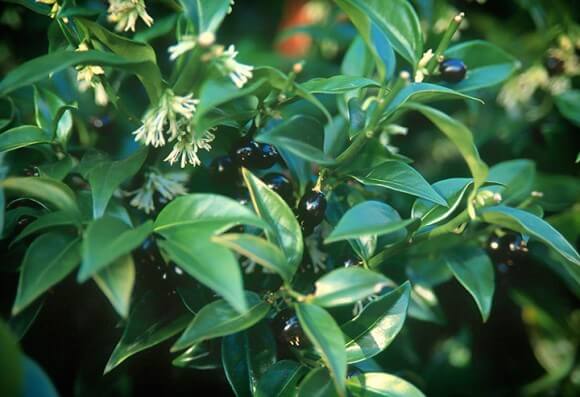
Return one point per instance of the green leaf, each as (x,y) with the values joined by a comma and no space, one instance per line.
(524,222)
(53,115)
(205,211)
(462,137)
(105,240)
(219,318)
(424,305)
(358,60)
(22,136)
(338,84)
(58,169)
(199,356)
(367,218)
(396,19)
(20,323)
(211,264)
(377,325)
(50,220)
(281,379)
(246,356)
(347,285)
(150,323)
(487,65)
(377,384)
(452,190)
(300,135)
(260,251)
(48,260)
(285,230)
(517,176)
(206,15)
(116,281)
(327,339)
(53,193)
(401,177)
(568,104)
(474,270)
(106,177)
(318,383)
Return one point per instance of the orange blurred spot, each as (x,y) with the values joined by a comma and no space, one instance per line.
(294,14)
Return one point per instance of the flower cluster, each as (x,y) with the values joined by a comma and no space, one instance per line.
(168,186)
(124,13)
(87,76)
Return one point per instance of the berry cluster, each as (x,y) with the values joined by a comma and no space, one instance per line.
(507,251)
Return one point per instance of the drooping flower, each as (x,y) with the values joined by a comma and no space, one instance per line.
(168,185)
(186,148)
(168,116)
(87,76)
(124,13)
(239,73)
(188,42)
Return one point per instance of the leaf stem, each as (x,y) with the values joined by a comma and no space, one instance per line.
(445,40)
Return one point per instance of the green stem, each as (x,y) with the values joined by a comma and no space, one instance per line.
(445,40)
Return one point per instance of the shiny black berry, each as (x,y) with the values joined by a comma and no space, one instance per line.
(554,65)
(507,250)
(268,156)
(452,70)
(311,210)
(280,184)
(223,169)
(288,330)
(247,153)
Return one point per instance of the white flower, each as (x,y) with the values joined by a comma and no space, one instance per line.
(87,77)
(186,148)
(168,185)
(185,44)
(169,116)
(519,90)
(238,72)
(55,7)
(124,13)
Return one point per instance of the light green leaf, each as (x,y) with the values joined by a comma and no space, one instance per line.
(568,104)
(106,239)
(116,281)
(474,270)
(22,136)
(347,285)
(327,339)
(401,177)
(337,84)
(48,260)
(517,176)
(285,230)
(377,384)
(317,383)
(260,251)
(206,15)
(219,318)
(377,325)
(452,190)
(53,193)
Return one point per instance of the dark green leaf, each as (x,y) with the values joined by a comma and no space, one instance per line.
(206,15)
(377,384)
(260,251)
(517,176)
(338,84)
(452,190)
(219,318)
(377,325)
(200,356)
(474,270)
(327,339)
(20,323)
(281,379)
(50,220)
(48,260)
(401,177)
(358,60)
(105,240)
(568,104)
(317,383)
(55,194)
(22,136)
(285,230)
(346,286)
(116,281)
(57,170)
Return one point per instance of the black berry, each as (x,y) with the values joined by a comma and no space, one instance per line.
(268,156)
(247,153)
(554,65)
(223,169)
(507,250)
(280,184)
(452,70)
(311,210)
(288,330)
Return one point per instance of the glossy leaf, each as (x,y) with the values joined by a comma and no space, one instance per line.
(285,230)
(474,270)
(118,238)
(58,169)
(487,65)
(53,193)
(377,325)
(327,339)
(219,318)
(204,211)
(317,382)
(346,286)
(401,177)
(246,357)
(517,176)
(53,115)
(525,222)
(206,15)
(300,135)
(337,84)
(48,221)
(199,356)
(367,218)
(48,260)
(453,190)
(358,60)
(424,305)
(211,264)
(22,136)
(260,251)
(568,104)
(150,323)
(116,281)
(378,384)
(106,177)
(281,379)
